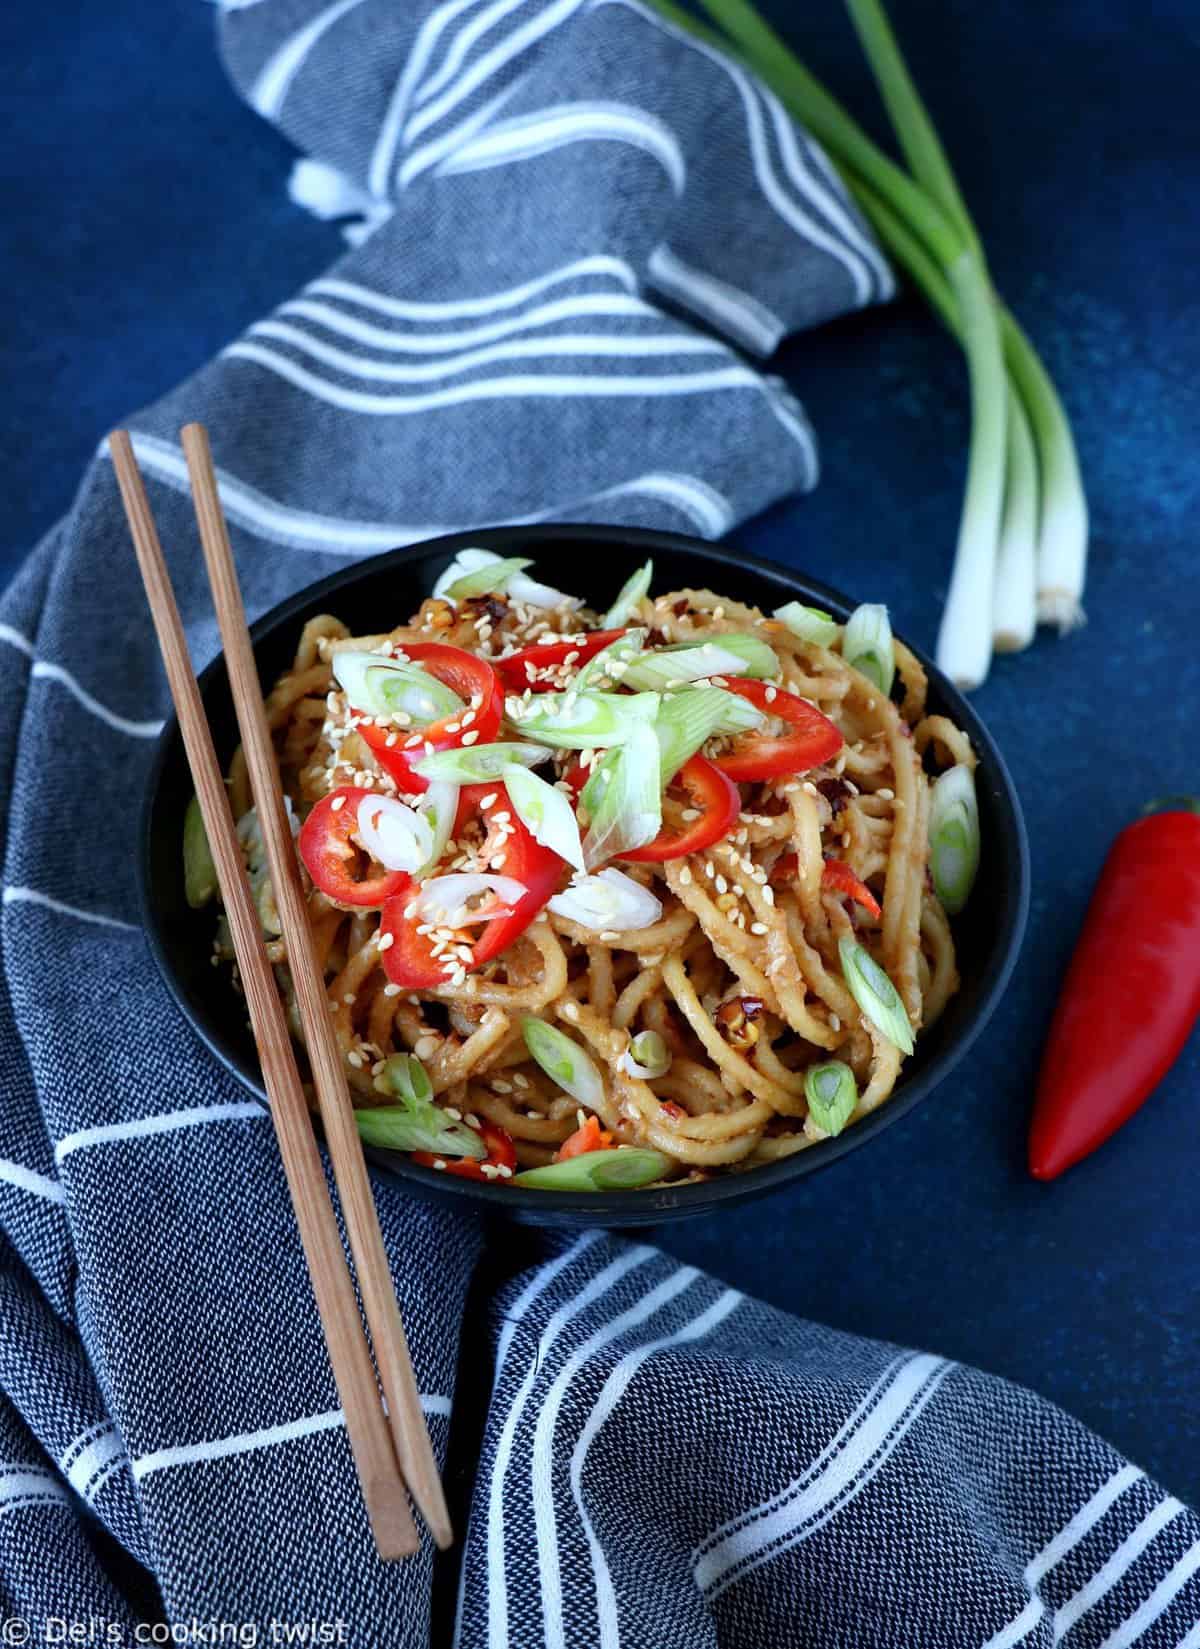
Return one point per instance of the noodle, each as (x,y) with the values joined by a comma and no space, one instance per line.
(739,975)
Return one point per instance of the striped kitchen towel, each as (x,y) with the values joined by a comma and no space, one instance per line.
(576,232)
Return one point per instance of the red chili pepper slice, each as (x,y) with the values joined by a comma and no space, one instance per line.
(463,673)
(838,875)
(717,798)
(517,678)
(332,858)
(1131,995)
(502,1153)
(409,960)
(761,756)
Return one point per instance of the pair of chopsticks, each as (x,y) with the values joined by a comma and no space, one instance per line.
(388,1439)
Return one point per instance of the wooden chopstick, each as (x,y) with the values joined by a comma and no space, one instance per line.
(371,1446)
(405,1415)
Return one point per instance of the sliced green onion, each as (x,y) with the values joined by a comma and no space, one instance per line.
(647,1056)
(583,721)
(725,655)
(832,1094)
(809,623)
(446,901)
(397,835)
(477,763)
(488,579)
(545,812)
(199,871)
(564,1061)
(867,645)
(623,798)
(380,686)
(254,849)
(607,667)
(875,994)
(689,719)
(609,901)
(414,1123)
(627,1168)
(632,591)
(954,838)
(439,808)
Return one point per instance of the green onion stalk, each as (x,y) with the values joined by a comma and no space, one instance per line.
(922,220)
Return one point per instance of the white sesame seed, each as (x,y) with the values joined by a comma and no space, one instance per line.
(758,927)
(337,804)
(471,737)
(570,1010)
(386,941)
(835,1023)
(349,999)
(501,1087)
(391,990)
(425,1047)
(520,1079)
(685,877)
(355,1059)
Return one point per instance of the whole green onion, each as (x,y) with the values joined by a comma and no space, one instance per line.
(832,1094)
(867,645)
(624,1169)
(564,1061)
(199,871)
(632,591)
(487,579)
(414,1123)
(954,838)
(809,623)
(875,994)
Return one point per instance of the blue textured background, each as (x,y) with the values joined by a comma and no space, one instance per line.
(147,223)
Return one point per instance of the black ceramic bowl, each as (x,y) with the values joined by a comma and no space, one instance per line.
(594,562)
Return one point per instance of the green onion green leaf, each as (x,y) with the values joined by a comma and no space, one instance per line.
(954,838)
(688,719)
(487,580)
(632,592)
(832,1094)
(477,763)
(647,1056)
(724,655)
(809,623)
(545,812)
(623,798)
(875,994)
(867,645)
(627,1168)
(381,686)
(607,668)
(414,1122)
(563,1061)
(583,721)
(199,871)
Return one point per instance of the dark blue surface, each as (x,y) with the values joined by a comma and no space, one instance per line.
(148,222)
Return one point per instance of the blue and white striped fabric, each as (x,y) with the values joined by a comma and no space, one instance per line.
(574,228)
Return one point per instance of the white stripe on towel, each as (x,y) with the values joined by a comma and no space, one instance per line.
(27,1179)
(166,1122)
(281,68)
(31,896)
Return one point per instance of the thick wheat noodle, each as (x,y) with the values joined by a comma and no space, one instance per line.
(667,934)
(739,1106)
(727,1059)
(697,1141)
(943,983)
(810,858)
(951,741)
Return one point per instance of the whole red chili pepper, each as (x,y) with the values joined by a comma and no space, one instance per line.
(1131,995)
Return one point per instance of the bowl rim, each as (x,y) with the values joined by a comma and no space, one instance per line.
(622,1208)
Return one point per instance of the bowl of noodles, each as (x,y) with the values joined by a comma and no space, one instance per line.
(645,876)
